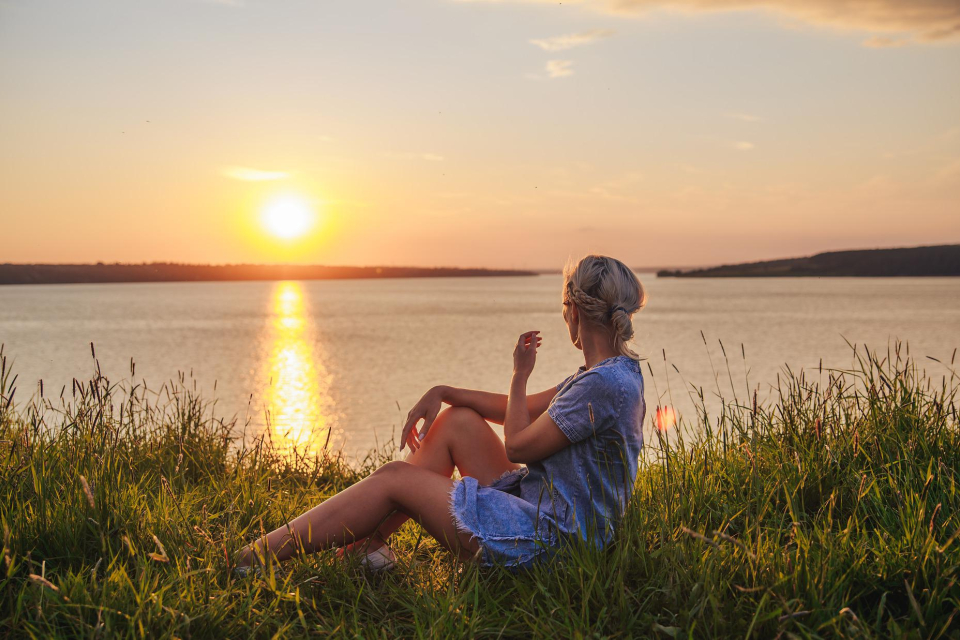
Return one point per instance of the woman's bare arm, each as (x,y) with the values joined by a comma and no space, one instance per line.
(528,437)
(493,406)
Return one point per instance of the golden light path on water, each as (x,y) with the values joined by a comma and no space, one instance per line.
(298,406)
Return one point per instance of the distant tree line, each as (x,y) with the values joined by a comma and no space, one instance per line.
(172,272)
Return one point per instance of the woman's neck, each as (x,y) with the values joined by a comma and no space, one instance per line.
(596,346)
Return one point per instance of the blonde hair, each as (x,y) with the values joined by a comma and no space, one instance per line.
(607,293)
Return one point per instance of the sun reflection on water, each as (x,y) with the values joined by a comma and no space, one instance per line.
(298,405)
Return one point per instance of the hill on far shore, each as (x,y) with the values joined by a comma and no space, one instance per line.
(942,260)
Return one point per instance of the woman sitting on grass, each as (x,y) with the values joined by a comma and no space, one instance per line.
(580,443)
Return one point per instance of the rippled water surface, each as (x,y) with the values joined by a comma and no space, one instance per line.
(337,363)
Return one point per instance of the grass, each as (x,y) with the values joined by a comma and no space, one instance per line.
(833,511)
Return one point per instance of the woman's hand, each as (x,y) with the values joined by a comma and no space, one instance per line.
(426,409)
(525,355)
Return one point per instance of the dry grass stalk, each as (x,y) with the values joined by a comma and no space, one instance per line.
(162,556)
(43,582)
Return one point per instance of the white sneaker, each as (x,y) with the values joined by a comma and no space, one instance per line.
(382,559)
(248,571)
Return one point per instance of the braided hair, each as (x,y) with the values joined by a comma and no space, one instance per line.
(607,293)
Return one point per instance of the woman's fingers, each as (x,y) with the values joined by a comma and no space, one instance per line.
(409,428)
(427,422)
(528,337)
(412,441)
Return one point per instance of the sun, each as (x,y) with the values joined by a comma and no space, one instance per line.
(288,218)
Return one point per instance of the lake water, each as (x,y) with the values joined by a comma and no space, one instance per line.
(345,360)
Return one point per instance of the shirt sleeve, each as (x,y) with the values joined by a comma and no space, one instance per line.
(586,407)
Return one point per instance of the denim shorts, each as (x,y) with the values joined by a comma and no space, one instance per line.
(511,532)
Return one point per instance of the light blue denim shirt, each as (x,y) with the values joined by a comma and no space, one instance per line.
(601,411)
(581,490)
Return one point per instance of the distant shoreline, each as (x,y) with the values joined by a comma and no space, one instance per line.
(25,274)
(931,261)
(557,272)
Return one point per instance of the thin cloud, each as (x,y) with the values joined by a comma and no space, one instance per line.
(253,175)
(571,40)
(743,117)
(875,185)
(618,188)
(607,194)
(744,146)
(948,173)
(884,42)
(916,20)
(559,68)
(429,157)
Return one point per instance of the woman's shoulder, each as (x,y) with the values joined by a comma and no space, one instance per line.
(623,369)
(625,380)
(615,376)
(616,372)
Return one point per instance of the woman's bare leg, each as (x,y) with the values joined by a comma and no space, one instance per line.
(459,438)
(357,511)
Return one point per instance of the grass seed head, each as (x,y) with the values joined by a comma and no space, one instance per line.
(87,491)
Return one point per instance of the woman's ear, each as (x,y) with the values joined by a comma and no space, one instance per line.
(575,326)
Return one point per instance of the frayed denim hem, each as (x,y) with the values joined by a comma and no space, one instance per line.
(463,527)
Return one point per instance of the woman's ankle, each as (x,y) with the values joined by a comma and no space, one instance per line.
(362,547)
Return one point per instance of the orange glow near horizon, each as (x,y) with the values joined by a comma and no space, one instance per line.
(322,145)
(297,400)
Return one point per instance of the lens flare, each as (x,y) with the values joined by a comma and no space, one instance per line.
(665,419)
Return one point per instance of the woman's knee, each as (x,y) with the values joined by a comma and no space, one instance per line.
(452,420)
(452,428)
(392,469)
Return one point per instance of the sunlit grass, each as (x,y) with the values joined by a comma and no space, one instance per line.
(831,512)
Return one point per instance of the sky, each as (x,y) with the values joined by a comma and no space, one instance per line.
(475,133)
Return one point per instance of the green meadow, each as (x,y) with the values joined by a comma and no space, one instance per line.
(829,511)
